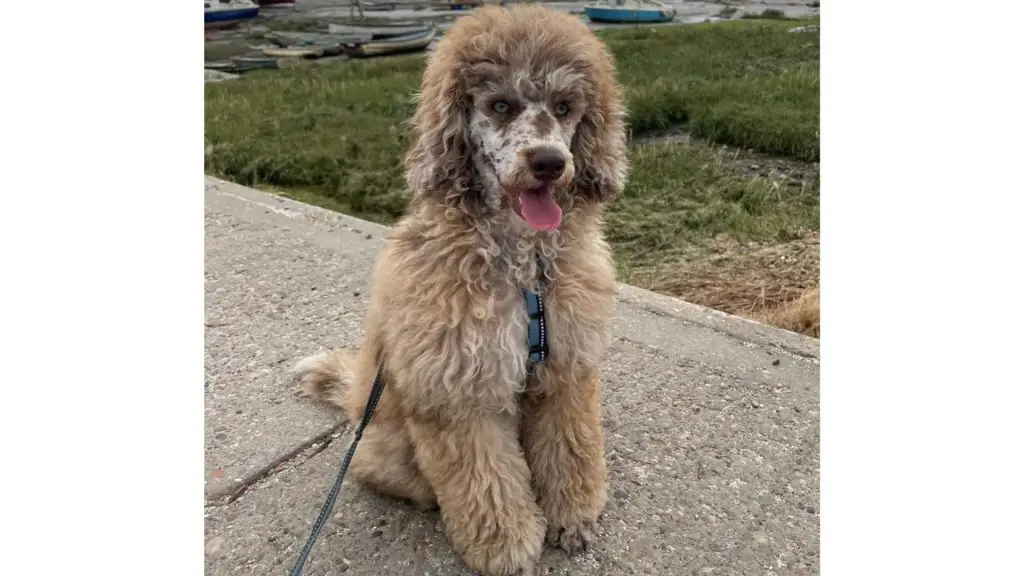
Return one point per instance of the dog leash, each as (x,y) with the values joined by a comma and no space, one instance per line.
(538,343)
(332,496)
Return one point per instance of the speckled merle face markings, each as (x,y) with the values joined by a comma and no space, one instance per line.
(543,123)
(514,113)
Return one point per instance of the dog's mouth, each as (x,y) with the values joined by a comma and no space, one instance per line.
(537,207)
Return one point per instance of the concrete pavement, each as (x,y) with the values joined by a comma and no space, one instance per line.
(711,421)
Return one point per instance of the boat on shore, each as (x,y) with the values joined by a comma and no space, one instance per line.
(226,13)
(309,45)
(242,64)
(457,5)
(292,39)
(308,51)
(405,44)
(377,32)
(630,12)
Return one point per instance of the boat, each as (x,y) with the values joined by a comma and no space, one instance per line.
(277,3)
(462,5)
(240,64)
(306,39)
(310,44)
(378,32)
(247,63)
(630,12)
(394,45)
(224,13)
(305,51)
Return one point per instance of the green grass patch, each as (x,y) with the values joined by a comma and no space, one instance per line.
(337,129)
(683,194)
(703,75)
(767,14)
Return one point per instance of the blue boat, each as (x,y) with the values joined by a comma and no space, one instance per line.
(220,14)
(641,12)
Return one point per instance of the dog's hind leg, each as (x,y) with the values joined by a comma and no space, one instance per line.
(385,460)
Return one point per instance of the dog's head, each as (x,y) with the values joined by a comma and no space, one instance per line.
(519,110)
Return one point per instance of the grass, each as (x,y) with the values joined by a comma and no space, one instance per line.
(682,194)
(702,74)
(694,223)
(334,135)
(767,14)
(800,315)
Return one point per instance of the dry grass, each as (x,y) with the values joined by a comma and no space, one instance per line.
(801,315)
(763,281)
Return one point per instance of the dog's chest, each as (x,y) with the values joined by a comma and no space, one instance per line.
(574,332)
(509,325)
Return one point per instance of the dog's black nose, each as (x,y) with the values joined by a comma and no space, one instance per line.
(547,164)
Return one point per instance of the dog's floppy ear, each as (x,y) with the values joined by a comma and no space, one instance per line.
(440,166)
(599,144)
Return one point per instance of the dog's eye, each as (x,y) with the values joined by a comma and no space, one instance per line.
(501,107)
(561,109)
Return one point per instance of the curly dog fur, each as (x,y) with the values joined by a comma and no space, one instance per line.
(509,455)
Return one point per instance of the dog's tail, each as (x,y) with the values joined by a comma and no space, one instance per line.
(326,376)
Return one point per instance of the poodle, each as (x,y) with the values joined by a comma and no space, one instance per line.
(520,142)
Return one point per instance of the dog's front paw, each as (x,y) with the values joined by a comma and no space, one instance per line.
(530,570)
(512,550)
(574,538)
(517,552)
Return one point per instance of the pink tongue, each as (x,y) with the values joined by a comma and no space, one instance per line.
(540,210)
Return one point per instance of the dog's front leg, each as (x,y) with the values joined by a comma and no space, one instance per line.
(478,471)
(564,446)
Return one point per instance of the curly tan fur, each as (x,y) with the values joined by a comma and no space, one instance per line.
(509,456)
